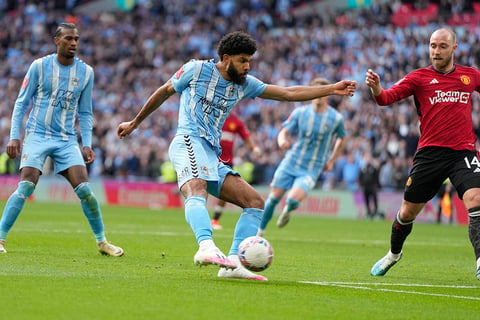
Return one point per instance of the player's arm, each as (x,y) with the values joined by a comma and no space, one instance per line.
(403,88)
(251,145)
(153,102)
(85,111)
(305,93)
(336,152)
(85,118)
(283,139)
(22,103)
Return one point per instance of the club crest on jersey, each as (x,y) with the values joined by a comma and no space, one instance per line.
(231,91)
(75,82)
(465,79)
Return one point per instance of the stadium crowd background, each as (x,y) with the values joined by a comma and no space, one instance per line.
(133,52)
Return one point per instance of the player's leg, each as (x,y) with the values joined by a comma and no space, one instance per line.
(217,213)
(466,180)
(196,163)
(299,191)
(282,181)
(237,191)
(68,161)
(271,203)
(471,199)
(28,180)
(30,166)
(429,171)
(401,228)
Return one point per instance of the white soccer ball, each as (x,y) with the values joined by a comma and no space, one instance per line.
(255,253)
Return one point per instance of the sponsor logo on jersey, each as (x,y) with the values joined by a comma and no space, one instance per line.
(179,73)
(204,171)
(434,81)
(24,83)
(450,96)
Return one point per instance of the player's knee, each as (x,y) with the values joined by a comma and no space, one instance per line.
(84,191)
(255,201)
(25,189)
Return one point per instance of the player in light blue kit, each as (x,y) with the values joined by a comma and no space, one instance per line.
(315,126)
(59,87)
(209,90)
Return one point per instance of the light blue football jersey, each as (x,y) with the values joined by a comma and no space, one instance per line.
(207,98)
(314,137)
(58,95)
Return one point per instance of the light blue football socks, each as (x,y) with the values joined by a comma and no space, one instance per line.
(91,209)
(14,206)
(197,217)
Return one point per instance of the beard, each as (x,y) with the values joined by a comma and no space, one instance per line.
(235,75)
(442,64)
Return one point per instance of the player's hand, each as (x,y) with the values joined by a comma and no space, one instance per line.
(345,88)
(284,144)
(256,151)
(13,148)
(89,155)
(124,129)
(329,165)
(372,80)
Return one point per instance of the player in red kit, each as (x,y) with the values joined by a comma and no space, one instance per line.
(232,127)
(443,99)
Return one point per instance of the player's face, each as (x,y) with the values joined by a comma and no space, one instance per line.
(67,43)
(442,47)
(238,67)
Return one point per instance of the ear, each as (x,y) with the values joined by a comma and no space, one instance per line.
(226,58)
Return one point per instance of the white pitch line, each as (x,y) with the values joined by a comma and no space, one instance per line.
(361,286)
(399,284)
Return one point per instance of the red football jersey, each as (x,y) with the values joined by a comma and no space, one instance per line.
(443,102)
(230,129)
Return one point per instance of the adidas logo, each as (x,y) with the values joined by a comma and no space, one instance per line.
(434,81)
(476,170)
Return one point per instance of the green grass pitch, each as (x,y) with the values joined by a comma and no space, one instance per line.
(320,270)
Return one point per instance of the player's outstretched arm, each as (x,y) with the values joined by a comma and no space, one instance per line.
(305,93)
(153,102)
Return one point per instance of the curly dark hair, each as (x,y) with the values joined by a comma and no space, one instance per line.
(62,26)
(237,42)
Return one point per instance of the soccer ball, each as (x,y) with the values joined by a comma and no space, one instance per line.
(255,253)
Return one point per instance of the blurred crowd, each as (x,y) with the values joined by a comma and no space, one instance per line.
(134,52)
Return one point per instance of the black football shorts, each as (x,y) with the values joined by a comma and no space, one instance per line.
(433,165)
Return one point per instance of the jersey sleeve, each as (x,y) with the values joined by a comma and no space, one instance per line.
(400,90)
(242,130)
(85,110)
(181,78)
(27,90)
(291,124)
(254,87)
(340,130)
